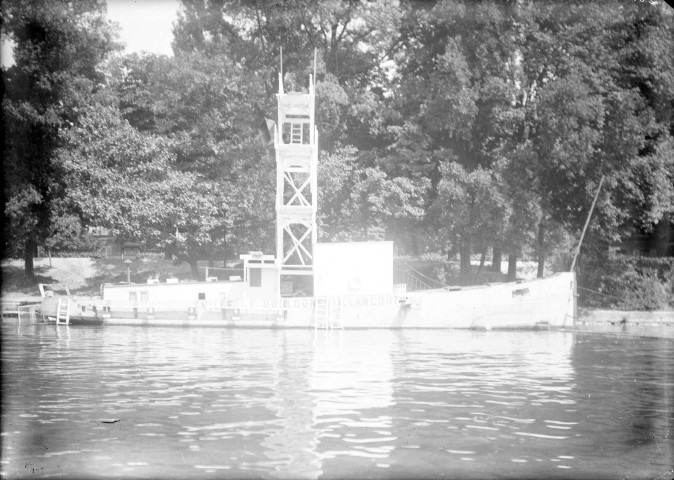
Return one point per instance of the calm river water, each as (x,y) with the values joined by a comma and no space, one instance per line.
(213,403)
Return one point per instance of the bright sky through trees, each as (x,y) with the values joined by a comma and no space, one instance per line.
(145,26)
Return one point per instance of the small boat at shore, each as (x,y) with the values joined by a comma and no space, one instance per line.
(308,284)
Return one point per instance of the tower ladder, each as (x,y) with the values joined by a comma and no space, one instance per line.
(296,133)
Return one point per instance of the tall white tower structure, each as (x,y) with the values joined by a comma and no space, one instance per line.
(296,145)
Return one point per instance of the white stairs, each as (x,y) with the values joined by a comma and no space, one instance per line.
(63,311)
(327,316)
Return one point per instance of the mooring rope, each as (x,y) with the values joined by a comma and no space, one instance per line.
(425,276)
(598,293)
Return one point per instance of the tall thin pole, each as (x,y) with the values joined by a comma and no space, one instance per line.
(281,59)
(587,222)
(315,53)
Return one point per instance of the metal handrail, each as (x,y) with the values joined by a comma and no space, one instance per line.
(29,310)
(414,283)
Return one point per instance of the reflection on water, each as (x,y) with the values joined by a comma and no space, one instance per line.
(190,402)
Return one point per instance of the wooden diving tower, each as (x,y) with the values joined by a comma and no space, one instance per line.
(296,147)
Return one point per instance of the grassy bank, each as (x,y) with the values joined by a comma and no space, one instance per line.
(84,276)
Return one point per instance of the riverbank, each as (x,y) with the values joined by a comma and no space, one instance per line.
(658,323)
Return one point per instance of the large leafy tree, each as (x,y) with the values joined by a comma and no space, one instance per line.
(353,39)
(206,106)
(470,208)
(128,181)
(57,49)
(354,201)
(595,116)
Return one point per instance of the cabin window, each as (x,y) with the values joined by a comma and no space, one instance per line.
(255,276)
(132,297)
(202,295)
(144,297)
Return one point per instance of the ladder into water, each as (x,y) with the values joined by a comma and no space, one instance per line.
(62,311)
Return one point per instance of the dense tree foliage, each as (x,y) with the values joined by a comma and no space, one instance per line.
(451,126)
(58,48)
(207,107)
(355,41)
(536,93)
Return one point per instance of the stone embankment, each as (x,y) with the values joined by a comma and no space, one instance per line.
(640,323)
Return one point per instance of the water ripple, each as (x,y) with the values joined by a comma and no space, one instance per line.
(304,404)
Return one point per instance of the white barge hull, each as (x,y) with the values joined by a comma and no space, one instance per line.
(549,302)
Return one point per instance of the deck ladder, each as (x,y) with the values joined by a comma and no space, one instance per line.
(335,315)
(321,313)
(27,312)
(62,311)
(327,315)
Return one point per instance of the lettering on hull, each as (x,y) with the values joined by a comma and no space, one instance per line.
(305,303)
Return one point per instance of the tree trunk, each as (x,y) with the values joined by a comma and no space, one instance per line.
(464,253)
(194,268)
(663,233)
(482,258)
(224,247)
(28,254)
(541,250)
(496,259)
(415,245)
(512,267)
